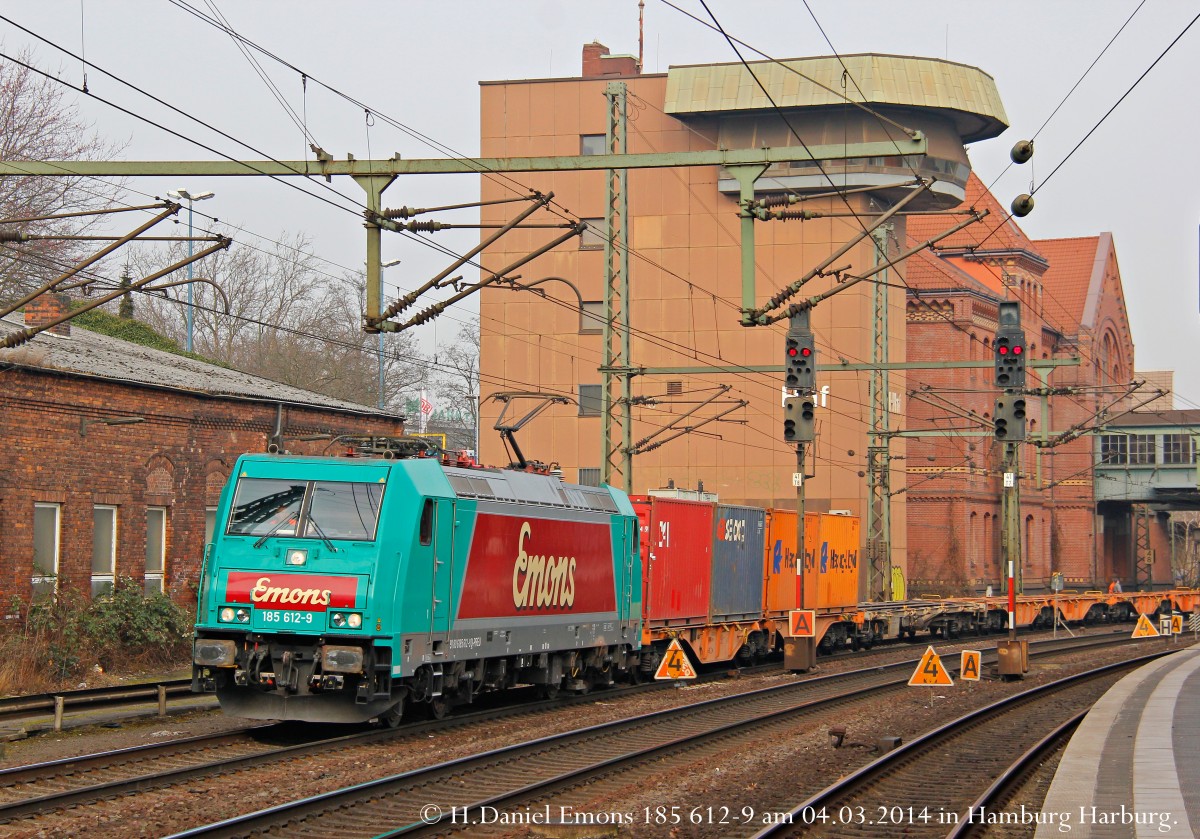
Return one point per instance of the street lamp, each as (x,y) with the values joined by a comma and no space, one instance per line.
(383,265)
(191,199)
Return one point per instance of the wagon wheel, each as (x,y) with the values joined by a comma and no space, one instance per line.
(439,707)
(548,691)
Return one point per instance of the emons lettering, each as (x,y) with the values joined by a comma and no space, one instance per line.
(542,582)
(264,592)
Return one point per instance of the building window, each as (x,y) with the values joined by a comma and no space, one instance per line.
(210,525)
(590,400)
(1177,448)
(595,236)
(674,388)
(1114,448)
(45,550)
(104,549)
(1141,449)
(589,476)
(156,548)
(593,144)
(591,317)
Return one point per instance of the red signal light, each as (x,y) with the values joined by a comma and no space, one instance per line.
(792,352)
(805,351)
(1017,350)
(1002,350)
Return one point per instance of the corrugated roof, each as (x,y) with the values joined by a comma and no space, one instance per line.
(1075,266)
(964,92)
(91,354)
(997,232)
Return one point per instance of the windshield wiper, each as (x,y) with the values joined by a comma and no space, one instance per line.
(321,533)
(278,526)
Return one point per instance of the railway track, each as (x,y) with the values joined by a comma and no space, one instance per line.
(894,794)
(456,795)
(19,708)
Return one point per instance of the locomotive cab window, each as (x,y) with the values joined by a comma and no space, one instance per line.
(427,522)
(271,507)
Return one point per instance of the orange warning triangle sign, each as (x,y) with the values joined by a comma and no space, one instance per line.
(1144,628)
(930,671)
(802,623)
(675,664)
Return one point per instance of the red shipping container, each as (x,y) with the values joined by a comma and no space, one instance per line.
(782,591)
(677,539)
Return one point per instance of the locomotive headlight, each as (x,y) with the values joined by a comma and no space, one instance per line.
(243,615)
(227,615)
(344,620)
(296,557)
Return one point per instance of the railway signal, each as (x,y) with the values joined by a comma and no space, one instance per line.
(800,362)
(799,419)
(1009,419)
(1009,348)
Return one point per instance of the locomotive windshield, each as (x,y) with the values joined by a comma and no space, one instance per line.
(267,507)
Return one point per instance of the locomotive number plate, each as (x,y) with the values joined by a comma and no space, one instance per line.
(285,618)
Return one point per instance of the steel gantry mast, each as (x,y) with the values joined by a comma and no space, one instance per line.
(616,365)
(879,508)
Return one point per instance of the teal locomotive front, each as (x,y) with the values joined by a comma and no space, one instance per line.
(340,590)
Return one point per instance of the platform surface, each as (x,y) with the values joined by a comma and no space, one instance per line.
(1132,768)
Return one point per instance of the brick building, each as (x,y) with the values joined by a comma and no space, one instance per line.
(1072,305)
(118,453)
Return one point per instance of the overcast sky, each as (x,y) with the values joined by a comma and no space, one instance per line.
(418,64)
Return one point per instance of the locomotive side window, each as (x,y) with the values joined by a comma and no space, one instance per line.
(343,511)
(427,522)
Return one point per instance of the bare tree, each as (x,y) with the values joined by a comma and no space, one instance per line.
(287,321)
(457,383)
(40,121)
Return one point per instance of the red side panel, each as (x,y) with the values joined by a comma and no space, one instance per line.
(524,566)
(677,560)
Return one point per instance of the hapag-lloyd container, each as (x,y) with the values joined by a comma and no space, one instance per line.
(831,566)
(677,539)
(737,583)
(782,591)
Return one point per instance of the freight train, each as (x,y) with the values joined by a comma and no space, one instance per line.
(344,589)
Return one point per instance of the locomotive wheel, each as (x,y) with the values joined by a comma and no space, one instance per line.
(391,717)
(439,707)
(548,691)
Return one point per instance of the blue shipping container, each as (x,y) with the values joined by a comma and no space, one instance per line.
(737,571)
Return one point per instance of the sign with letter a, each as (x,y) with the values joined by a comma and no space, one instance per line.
(802,623)
(968,669)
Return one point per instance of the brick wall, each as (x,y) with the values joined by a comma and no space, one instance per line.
(178,457)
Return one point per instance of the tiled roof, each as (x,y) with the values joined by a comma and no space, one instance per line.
(925,270)
(91,354)
(997,232)
(1076,265)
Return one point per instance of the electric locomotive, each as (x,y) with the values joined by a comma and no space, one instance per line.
(344,589)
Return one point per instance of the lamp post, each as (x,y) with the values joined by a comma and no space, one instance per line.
(383,265)
(191,199)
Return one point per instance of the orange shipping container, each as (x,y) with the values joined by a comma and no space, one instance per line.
(831,565)
(782,594)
